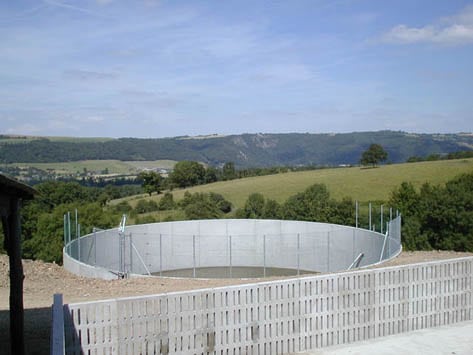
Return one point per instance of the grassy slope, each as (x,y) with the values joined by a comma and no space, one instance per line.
(13,139)
(360,184)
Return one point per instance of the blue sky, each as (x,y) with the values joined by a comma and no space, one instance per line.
(169,68)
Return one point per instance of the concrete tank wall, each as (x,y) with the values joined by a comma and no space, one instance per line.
(152,248)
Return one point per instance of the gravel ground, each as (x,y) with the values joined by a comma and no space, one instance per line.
(43,280)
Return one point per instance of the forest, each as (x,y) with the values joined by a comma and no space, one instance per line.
(245,150)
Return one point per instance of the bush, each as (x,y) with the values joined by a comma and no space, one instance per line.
(204,206)
(167,202)
(222,204)
(146,206)
(122,207)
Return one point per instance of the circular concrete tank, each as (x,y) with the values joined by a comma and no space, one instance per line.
(229,248)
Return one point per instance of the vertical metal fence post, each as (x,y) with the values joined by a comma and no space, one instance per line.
(78,241)
(328,251)
(381,218)
(120,256)
(131,254)
(75,230)
(65,231)
(193,256)
(160,255)
(69,231)
(264,255)
(390,214)
(353,244)
(369,214)
(95,246)
(356,214)
(230,250)
(298,254)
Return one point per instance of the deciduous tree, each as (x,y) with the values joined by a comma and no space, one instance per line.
(188,173)
(373,155)
(151,181)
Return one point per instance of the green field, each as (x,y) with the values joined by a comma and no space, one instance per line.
(12,139)
(360,184)
(161,164)
(113,166)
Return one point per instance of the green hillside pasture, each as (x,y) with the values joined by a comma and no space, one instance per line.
(374,184)
(12,139)
(113,166)
(154,164)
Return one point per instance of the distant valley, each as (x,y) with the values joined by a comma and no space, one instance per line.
(245,150)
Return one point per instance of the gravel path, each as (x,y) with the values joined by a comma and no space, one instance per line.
(42,280)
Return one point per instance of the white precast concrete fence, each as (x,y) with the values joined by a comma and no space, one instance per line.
(277,317)
(160,247)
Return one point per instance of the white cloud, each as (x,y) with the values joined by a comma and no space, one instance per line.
(454,30)
(404,35)
(455,34)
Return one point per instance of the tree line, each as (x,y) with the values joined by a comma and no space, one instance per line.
(463,154)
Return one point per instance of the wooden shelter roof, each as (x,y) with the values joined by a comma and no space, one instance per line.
(12,187)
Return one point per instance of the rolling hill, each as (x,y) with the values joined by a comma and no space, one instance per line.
(245,150)
(358,183)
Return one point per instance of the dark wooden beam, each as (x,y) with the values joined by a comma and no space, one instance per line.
(12,193)
(13,243)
